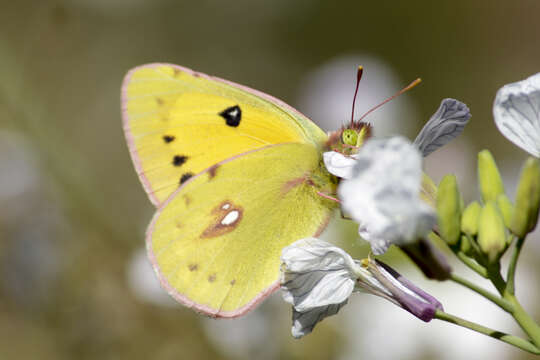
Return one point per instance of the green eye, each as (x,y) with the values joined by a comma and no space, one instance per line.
(349,137)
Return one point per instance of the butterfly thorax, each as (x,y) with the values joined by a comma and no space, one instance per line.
(322,180)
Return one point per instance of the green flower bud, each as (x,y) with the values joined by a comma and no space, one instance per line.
(489,179)
(465,245)
(491,232)
(506,208)
(428,191)
(469,219)
(449,209)
(527,199)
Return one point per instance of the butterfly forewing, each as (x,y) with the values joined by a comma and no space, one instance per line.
(179,122)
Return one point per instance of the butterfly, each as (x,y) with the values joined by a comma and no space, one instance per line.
(236,175)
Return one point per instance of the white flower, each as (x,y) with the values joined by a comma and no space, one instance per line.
(445,125)
(383,194)
(317,279)
(338,164)
(326,270)
(517,113)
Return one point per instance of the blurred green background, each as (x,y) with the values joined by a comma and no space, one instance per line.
(73,277)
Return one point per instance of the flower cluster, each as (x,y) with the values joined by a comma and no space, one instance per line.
(382,187)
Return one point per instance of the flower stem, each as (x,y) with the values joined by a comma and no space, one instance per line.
(510,285)
(502,303)
(509,339)
(528,325)
(494,274)
(479,269)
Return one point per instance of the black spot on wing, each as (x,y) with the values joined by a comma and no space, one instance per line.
(193,267)
(168,138)
(232,115)
(185,177)
(179,160)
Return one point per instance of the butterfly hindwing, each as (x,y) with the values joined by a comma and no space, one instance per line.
(216,242)
(179,122)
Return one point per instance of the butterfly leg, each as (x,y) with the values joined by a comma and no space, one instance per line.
(326,196)
(329,197)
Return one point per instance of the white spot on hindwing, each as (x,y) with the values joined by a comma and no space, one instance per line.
(226,217)
(230,218)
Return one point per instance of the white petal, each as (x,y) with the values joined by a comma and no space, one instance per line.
(378,245)
(315,273)
(446,124)
(338,164)
(383,194)
(304,322)
(517,113)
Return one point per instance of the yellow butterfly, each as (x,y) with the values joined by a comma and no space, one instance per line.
(236,176)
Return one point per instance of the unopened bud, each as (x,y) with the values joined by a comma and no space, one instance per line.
(428,191)
(469,219)
(465,245)
(489,178)
(449,209)
(491,232)
(506,208)
(527,199)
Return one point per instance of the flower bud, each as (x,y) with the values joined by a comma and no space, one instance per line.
(469,219)
(527,199)
(507,209)
(465,245)
(449,209)
(491,232)
(428,191)
(489,178)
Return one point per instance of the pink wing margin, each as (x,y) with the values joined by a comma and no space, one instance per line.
(125,118)
(184,300)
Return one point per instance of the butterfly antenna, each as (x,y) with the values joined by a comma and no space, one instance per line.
(406,88)
(358,77)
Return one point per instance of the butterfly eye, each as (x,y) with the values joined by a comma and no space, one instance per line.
(349,137)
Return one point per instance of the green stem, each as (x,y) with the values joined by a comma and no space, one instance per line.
(509,339)
(502,303)
(479,269)
(510,285)
(494,274)
(528,325)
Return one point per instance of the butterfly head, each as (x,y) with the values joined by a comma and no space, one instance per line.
(348,139)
